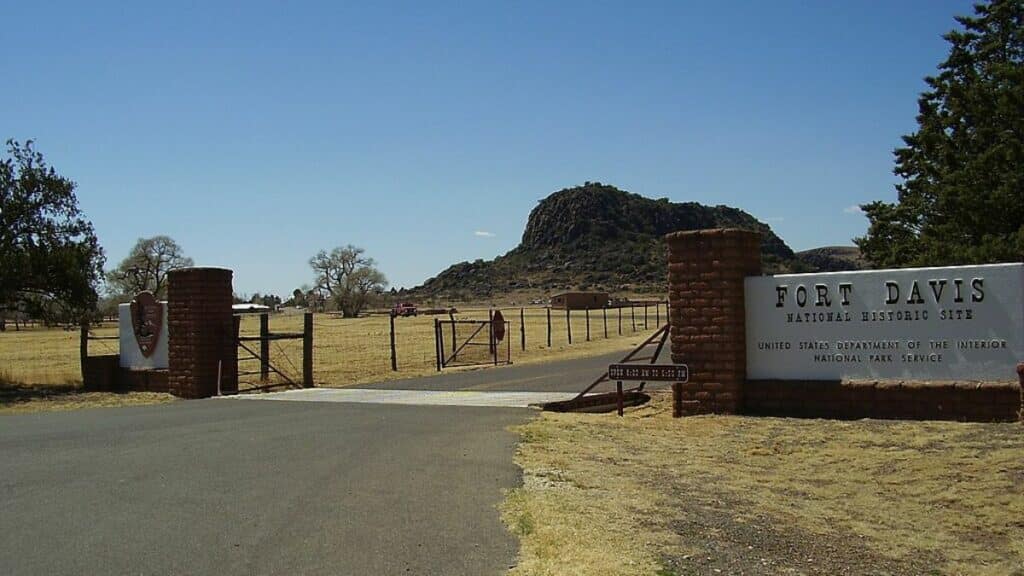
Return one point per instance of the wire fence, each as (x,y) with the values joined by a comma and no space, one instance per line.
(350,350)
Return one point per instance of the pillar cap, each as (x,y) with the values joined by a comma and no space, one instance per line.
(709,233)
(195,269)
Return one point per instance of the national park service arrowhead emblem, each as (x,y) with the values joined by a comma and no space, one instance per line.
(147,321)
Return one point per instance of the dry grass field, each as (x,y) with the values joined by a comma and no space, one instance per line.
(649,494)
(346,351)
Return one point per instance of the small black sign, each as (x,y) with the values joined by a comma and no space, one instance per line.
(649,372)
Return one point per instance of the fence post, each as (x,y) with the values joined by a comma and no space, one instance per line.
(451,316)
(549,326)
(264,347)
(588,323)
(632,316)
(307,351)
(604,313)
(568,325)
(522,328)
(657,314)
(438,342)
(490,341)
(394,356)
(645,316)
(83,348)
(493,343)
(620,320)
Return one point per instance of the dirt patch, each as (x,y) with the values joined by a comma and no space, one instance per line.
(730,543)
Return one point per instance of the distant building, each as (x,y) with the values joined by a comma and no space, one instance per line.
(579,300)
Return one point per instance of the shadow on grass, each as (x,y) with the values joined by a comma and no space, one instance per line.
(16,392)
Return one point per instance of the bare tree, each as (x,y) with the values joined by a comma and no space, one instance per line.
(147,265)
(349,277)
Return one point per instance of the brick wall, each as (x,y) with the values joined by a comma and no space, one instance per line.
(201,332)
(706,271)
(966,401)
(104,374)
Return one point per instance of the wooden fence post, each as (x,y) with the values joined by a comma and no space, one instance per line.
(645,316)
(83,348)
(588,323)
(451,316)
(264,347)
(394,355)
(657,314)
(307,351)
(632,316)
(604,313)
(522,328)
(620,320)
(549,326)
(568,325)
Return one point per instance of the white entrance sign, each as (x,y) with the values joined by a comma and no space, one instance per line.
(132,356)
(957,323)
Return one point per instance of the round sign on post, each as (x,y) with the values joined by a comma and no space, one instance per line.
(498,325)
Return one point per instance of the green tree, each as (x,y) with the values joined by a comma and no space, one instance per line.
(146,267)
(50,259)
(961,199)
(349,277)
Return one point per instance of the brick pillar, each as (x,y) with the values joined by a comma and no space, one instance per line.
(200,332)
(706,271)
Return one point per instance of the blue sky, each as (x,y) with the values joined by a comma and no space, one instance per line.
(256,134)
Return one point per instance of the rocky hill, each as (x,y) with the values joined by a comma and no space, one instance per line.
(832,259)
(596,237)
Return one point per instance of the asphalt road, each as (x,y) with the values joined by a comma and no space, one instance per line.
(562,376)
(228,487)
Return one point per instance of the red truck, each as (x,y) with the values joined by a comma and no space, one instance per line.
(404,309)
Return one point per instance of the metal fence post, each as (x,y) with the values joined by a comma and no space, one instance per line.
(604,314)
(307,350)
(522,329)
(438,343)
(264,347)
(490,342)
(549,326)
(394,356)
(588,323)
(568,324)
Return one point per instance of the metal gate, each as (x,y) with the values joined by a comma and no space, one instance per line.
(472,342)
